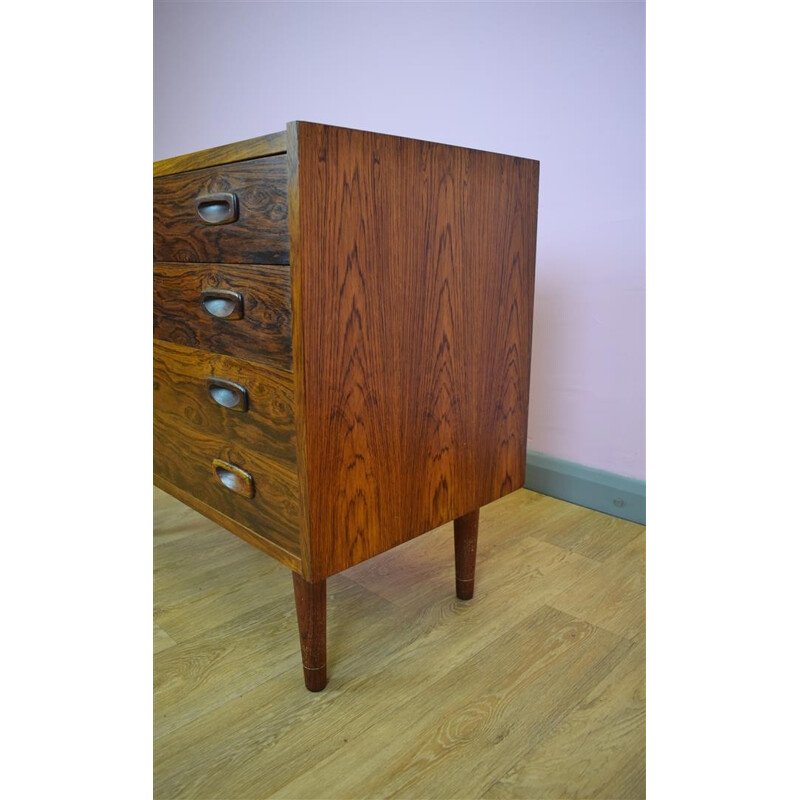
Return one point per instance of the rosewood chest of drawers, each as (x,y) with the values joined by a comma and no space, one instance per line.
(342,345)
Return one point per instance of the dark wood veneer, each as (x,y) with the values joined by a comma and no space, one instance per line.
(465,538)
(180,395)
(264,333)
(185,457)
(310,601)
(260,234)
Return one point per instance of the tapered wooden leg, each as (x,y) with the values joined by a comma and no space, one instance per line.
(466,540)
(309,598)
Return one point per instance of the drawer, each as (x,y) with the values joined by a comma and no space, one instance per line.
(226,397)
(235,213)
(194,461)
(187,298)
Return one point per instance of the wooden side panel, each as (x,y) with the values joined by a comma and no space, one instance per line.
(181,396)
(264,333)
(417,271)
(260,234)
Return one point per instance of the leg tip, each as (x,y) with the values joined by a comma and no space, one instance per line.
(316,679)
(465,589)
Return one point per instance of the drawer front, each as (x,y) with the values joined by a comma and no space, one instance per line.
(225,397)
(202,465)
(235,213)
(186,300)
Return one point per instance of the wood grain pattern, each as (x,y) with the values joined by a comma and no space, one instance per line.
(259,236)
(269,145)
(224,662)
(161,639)
(231,580)
(180,395)
(600,740)
(416,263)
(184,456)
(612,596)
(264,334)
(597,539)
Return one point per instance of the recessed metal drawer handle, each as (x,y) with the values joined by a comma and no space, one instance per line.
(234,478)
(227,394)
(223,304)
(218,209)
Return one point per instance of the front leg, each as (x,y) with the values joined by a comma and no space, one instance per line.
(309,599)
(465,534)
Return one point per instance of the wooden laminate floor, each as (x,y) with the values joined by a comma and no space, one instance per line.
(533,689)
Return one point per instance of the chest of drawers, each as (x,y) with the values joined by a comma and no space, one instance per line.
(342,342)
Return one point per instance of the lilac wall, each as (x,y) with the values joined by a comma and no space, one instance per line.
(561,82)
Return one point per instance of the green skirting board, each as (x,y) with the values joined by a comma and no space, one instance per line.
(586,486)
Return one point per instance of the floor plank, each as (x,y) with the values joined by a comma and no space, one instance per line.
(594,745)
(592,534)
(428,696)
(377,659)
(612,595)
(465,729)
(161,639)
(200,675)
(212,596)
